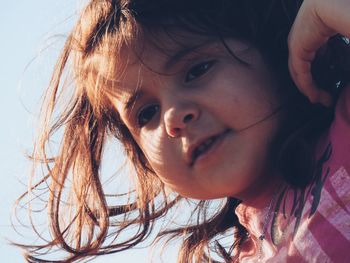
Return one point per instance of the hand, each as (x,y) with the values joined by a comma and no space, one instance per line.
(316,22)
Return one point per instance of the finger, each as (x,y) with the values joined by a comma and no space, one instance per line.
(303,42)
(300,60)
(299,67)
(304,81)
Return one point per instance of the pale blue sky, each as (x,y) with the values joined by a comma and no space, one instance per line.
(26,27)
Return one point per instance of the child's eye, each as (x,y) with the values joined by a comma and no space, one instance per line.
(146,114)
(198,70)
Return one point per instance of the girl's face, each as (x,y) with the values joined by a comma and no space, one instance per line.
(196,111)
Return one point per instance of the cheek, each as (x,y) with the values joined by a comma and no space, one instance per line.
(247,93)
(165,160)
(153,147)
(255,146)
(160,153)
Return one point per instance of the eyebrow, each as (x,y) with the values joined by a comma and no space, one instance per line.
(130,102)
(183,52)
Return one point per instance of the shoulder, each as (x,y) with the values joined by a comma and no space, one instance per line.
(342,110)
(315,226)
(325,225)
(328,202)
(320,214)
(318,228)
(328,222)
(330,190)
(333,149)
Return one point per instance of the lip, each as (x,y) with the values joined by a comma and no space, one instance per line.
(193,147)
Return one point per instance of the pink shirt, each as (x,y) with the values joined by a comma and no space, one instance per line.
(322,233)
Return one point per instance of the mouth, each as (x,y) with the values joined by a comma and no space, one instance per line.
(205,146)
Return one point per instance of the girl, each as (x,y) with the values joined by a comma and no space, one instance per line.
(200,95)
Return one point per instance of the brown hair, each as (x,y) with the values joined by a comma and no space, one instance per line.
(73,176)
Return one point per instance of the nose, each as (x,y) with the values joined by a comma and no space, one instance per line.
(178,117)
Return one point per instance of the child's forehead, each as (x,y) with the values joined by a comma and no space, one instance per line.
(166,48)
(154,52)
(121,74)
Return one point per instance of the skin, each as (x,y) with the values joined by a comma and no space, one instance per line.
(207,92)
(316,22)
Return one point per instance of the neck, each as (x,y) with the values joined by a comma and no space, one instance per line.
(260,193)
